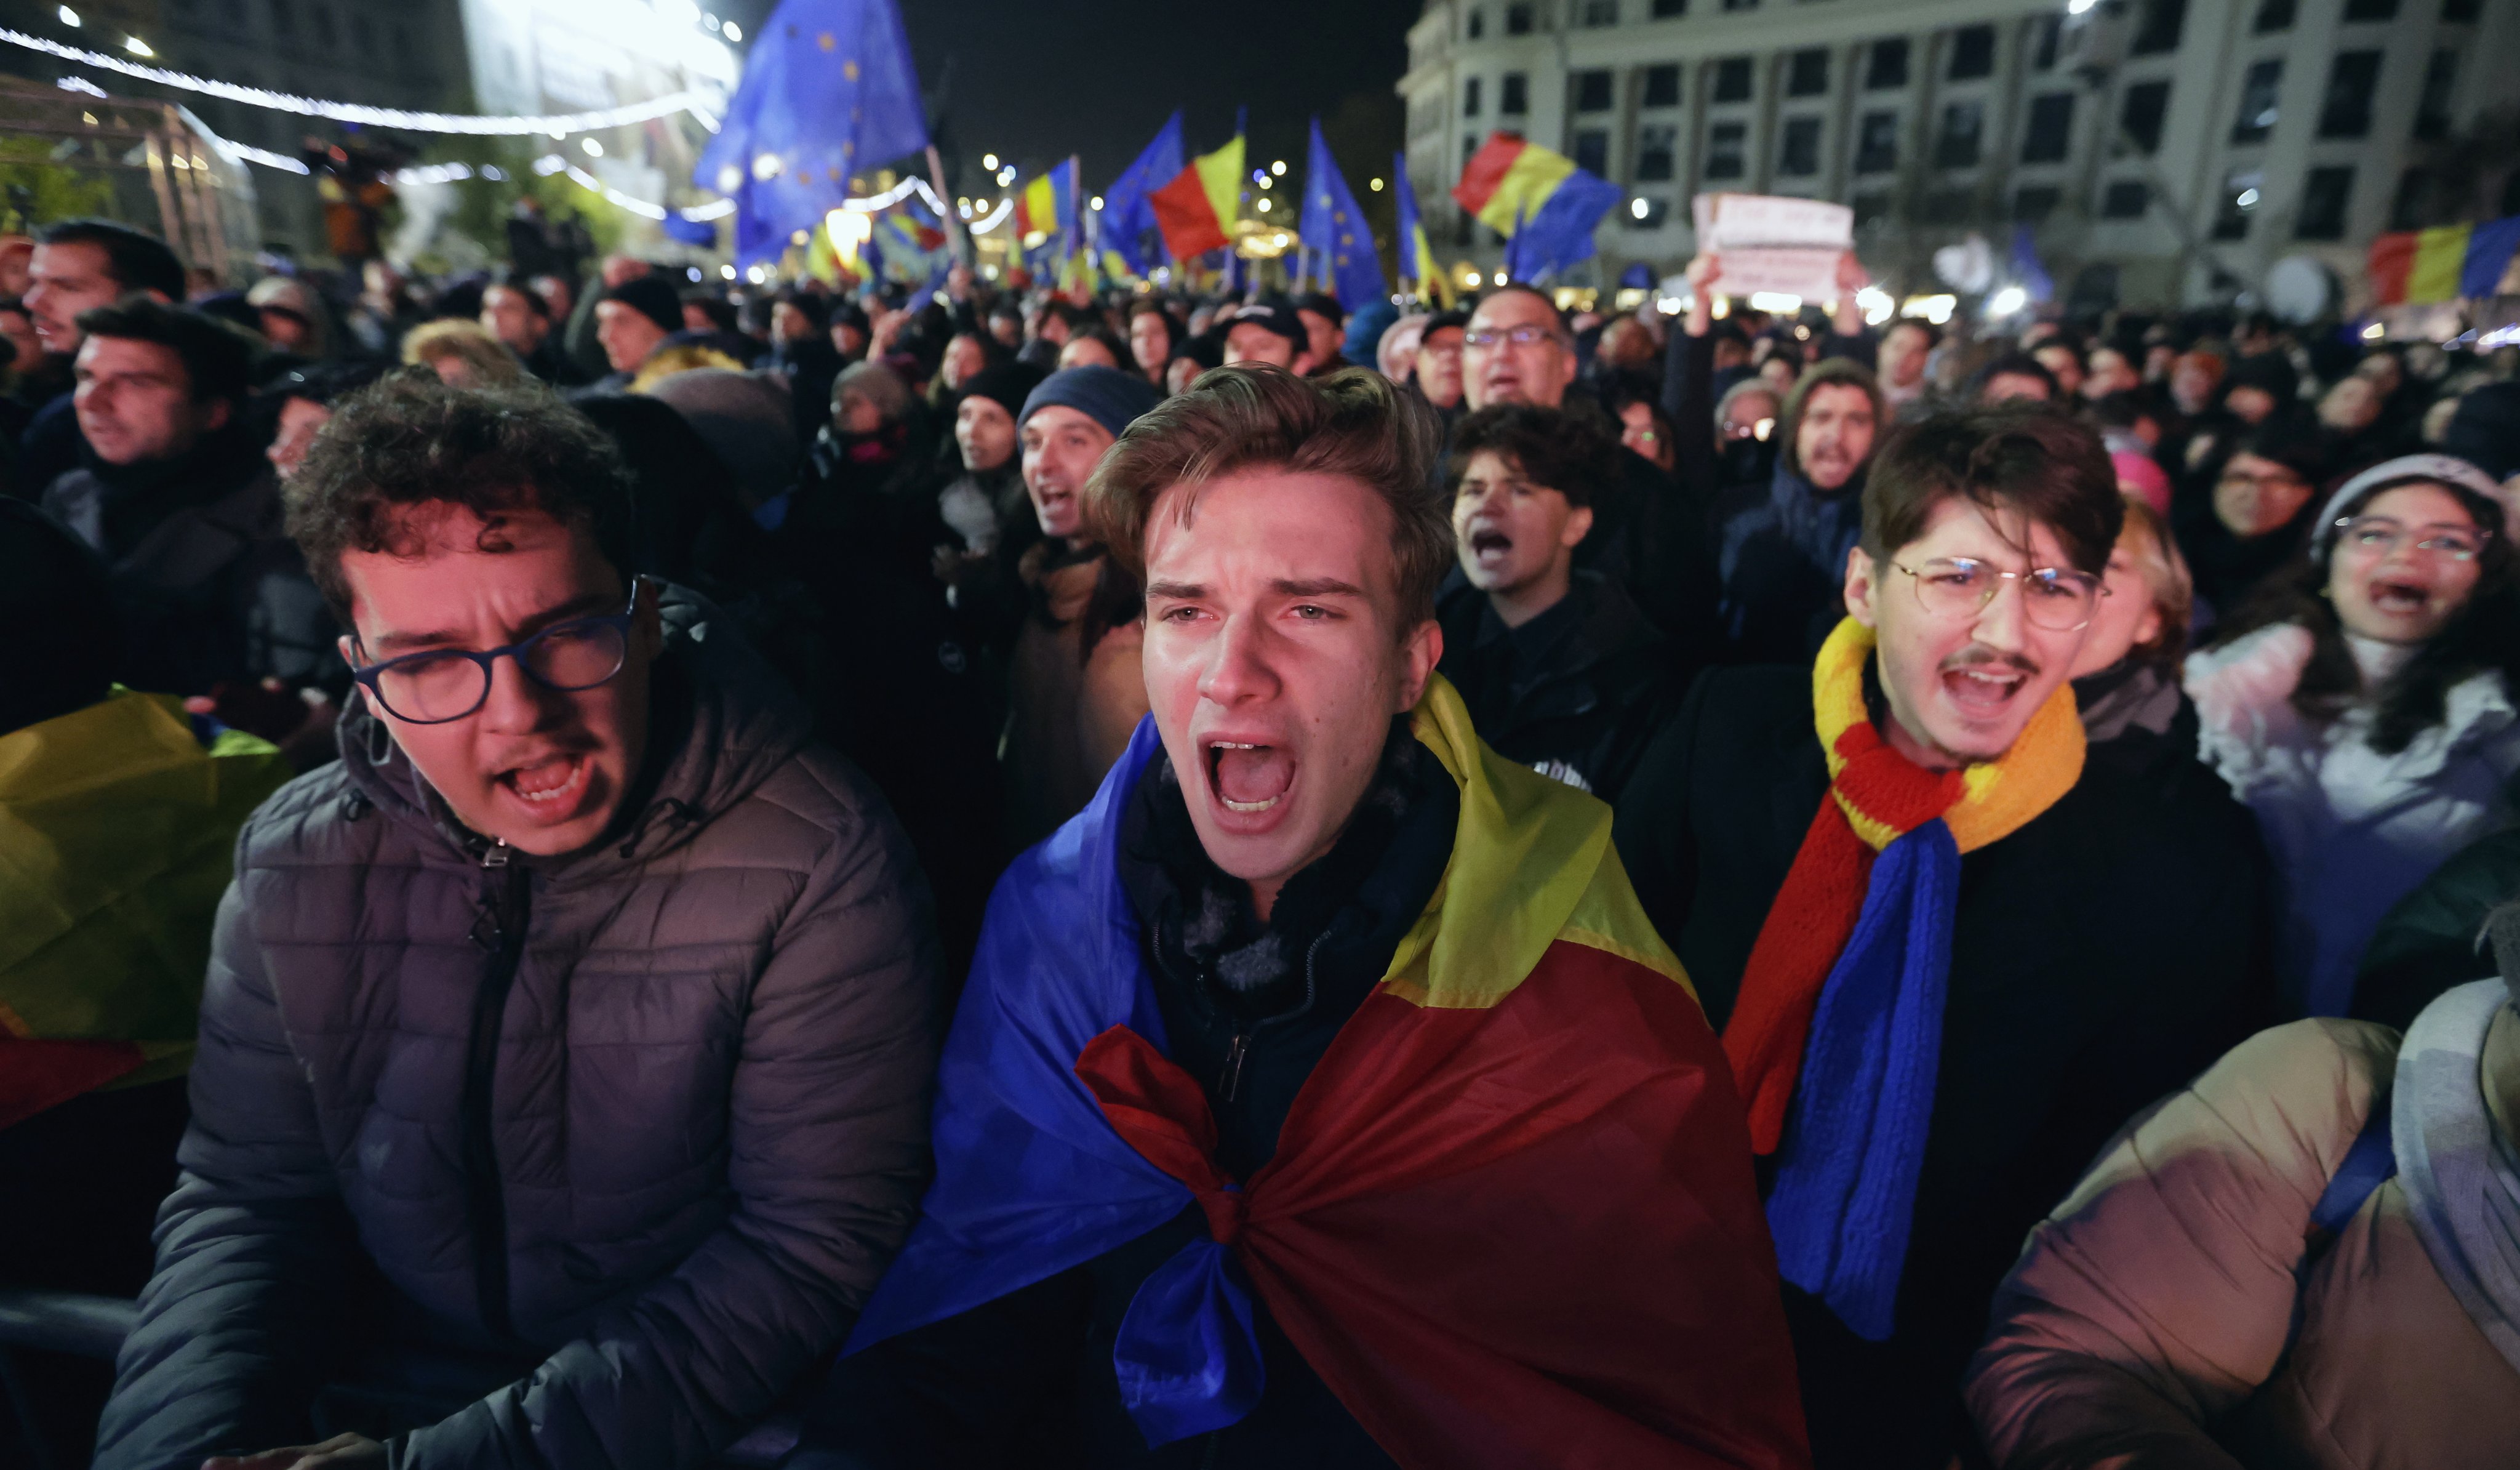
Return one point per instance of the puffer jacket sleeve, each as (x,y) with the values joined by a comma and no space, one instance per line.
(829,1155)
(254,1249)
(2160,1294)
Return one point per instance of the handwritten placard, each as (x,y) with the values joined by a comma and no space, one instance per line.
(1767,243)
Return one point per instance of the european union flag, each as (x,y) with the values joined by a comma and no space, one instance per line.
(1127,213)
(827,91)
(1559,233)
(1335,231)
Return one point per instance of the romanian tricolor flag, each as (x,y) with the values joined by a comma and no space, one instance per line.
(1537,199)
(1196,211)
(2414,267)
(118,831)
(1510,1217)
(1048,205)
(1419,275)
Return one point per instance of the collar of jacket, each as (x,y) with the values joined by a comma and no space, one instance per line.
(721,721)
(1607,624)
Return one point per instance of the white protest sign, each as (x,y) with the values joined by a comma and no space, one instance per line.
(1766,243)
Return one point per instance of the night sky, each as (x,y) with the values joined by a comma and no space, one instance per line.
(1034,81)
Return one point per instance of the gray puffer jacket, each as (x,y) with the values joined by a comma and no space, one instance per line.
(653,1114)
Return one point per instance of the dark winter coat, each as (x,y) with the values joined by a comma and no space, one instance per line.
(652,1116)
(1575,693)
(209,586)
(2101,955)
(1782,561)
(2433,939)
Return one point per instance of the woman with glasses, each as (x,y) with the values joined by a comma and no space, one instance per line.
(2362,706)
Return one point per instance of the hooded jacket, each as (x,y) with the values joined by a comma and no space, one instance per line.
(2351,831)
(652,1115)
(2178,1312)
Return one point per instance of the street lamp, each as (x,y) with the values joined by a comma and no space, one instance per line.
(69,16)
(137,46)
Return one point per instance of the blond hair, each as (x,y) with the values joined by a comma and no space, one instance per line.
(468,341)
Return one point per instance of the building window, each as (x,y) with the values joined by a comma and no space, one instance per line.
(1799,155)
(2370,10)
(1598,14)
(1727,149)
(1662,86)
(2140,113)
(1963,128)
(2259,92)
(1732,79)
(2461,11)
(1518,19)
(2051,32)
(1477,26)
(1972,52)
(1665,10)
(1886,64)
(2158,30)
(2274,16)
(2324,194)
(2034,204)
(2432,111)
(2241,194)
(1877,145)
(2412,209)
(2345,111)
(1657,153)
(1592,91)
(1807,73)
(284,17)
(2127,199)
(1657,212)
(2050,130)
(1470,97)
(1733,5)
(1593,152)
(1513,97)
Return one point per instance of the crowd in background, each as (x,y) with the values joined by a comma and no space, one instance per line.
(2294,670)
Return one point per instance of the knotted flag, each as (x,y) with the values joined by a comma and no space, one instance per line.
(1846,982)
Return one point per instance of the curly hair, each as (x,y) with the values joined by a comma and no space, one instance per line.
(411,440)
(2483,635)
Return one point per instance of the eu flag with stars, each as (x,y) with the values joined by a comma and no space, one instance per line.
(1127,211)
(827,91)
(1335,231)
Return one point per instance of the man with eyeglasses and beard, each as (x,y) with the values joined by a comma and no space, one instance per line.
(562,1089)
(1948,956)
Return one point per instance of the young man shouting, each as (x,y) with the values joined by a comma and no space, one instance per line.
(1947,957)
(1319,1091)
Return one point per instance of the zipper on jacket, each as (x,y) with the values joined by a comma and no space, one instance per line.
(485,1201)
(1238,1050)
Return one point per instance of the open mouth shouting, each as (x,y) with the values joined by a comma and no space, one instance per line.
(1489,545)
(2400,599)
(550,788)
(1984,689)
(1249,780)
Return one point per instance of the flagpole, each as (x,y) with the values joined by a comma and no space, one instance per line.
(956,229)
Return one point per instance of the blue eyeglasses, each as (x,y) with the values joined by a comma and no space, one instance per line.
(441,685)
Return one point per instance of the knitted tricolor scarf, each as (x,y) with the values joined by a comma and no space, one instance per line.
(1847,979)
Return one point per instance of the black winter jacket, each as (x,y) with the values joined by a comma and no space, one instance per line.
(1576,693)
(2101,955)
(643,1124)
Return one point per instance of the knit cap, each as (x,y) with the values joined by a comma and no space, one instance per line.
(1109,396)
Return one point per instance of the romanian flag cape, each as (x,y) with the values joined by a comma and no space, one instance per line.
(116,836)
(1510,1220)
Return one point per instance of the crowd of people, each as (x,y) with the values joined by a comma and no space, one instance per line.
(628,872)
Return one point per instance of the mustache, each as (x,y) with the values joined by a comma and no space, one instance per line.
(1978,655)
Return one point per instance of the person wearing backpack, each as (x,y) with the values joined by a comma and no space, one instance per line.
(2303,1259)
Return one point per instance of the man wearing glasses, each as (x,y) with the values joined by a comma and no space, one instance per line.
(1650,533)
(563,1077)
(1947,957)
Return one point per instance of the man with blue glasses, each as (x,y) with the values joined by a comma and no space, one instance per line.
(562,1081)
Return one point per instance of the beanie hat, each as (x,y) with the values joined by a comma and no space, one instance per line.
(878,384)
(1007,384)
(650,297)
(746,419)
(2485,430)
(1109,396)
(2406,468)
(2144,477)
